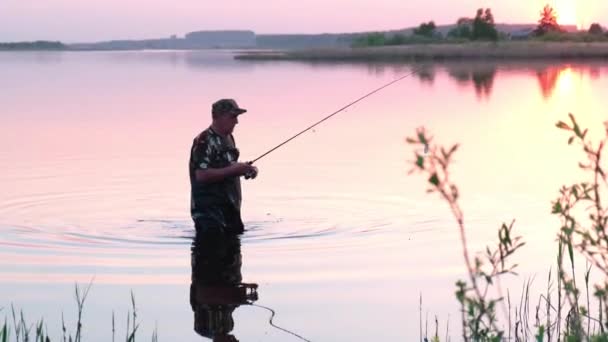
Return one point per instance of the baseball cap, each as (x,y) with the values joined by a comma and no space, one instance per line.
(227,106)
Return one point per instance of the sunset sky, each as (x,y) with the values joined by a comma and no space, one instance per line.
(92,20)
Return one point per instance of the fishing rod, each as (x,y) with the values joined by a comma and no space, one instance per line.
(334,113)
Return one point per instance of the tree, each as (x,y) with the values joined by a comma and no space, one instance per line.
(426,29)
(547,22)
(462,29)
(595,28)
(483,26)
(464,21)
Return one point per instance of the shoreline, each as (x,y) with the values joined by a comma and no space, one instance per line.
(436,52)
(490,51)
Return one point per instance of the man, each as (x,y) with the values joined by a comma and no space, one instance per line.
(215,171)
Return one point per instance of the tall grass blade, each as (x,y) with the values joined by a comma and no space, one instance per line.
(80,299)
(155,333)
(39,331)
(131,337)
(128,325)
(420,317)
(113,327)
(548,312)
(63,328)
(4,332)
(135,325)
(17,327)
(588,301)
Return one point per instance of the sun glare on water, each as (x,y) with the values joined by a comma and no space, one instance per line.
(566,82)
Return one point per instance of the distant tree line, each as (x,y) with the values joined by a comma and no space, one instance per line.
(37,45)
(483,28)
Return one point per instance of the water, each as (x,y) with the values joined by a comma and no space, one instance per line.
(342,242)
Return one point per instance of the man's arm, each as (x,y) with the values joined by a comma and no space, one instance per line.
(202,158)
(211,175)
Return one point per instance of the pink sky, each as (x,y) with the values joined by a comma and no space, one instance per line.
(77,20)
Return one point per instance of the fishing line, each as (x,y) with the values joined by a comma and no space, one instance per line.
(273,313)
(336,112)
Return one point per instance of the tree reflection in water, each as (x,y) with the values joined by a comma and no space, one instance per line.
(482,75)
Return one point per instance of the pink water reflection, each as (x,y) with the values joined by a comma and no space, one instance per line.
(480,76)
(94,180)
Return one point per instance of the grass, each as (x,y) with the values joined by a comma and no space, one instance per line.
(573,37)
(20,331)
(472,50)
(568,320)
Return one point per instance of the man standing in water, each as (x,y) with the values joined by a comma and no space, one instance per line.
(215,203)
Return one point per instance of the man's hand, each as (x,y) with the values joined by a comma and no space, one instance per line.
(243,169)
(251,174)
(233,170)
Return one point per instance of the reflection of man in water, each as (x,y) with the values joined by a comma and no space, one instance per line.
(214,172)
(217,288)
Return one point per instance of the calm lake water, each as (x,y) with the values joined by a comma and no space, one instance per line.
(341,241)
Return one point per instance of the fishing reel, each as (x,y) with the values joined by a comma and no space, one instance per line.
(251,175)
(249,292)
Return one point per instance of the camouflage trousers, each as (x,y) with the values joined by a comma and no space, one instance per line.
(219,219)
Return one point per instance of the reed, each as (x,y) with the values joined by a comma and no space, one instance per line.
(21,331)
(590,240)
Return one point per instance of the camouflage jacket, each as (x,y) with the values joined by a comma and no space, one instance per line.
(209,151)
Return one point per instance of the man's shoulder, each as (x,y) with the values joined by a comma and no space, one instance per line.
(206,140)
(207,137)
(202,145)
(201,138)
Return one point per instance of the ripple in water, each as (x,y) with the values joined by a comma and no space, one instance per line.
(306,221)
